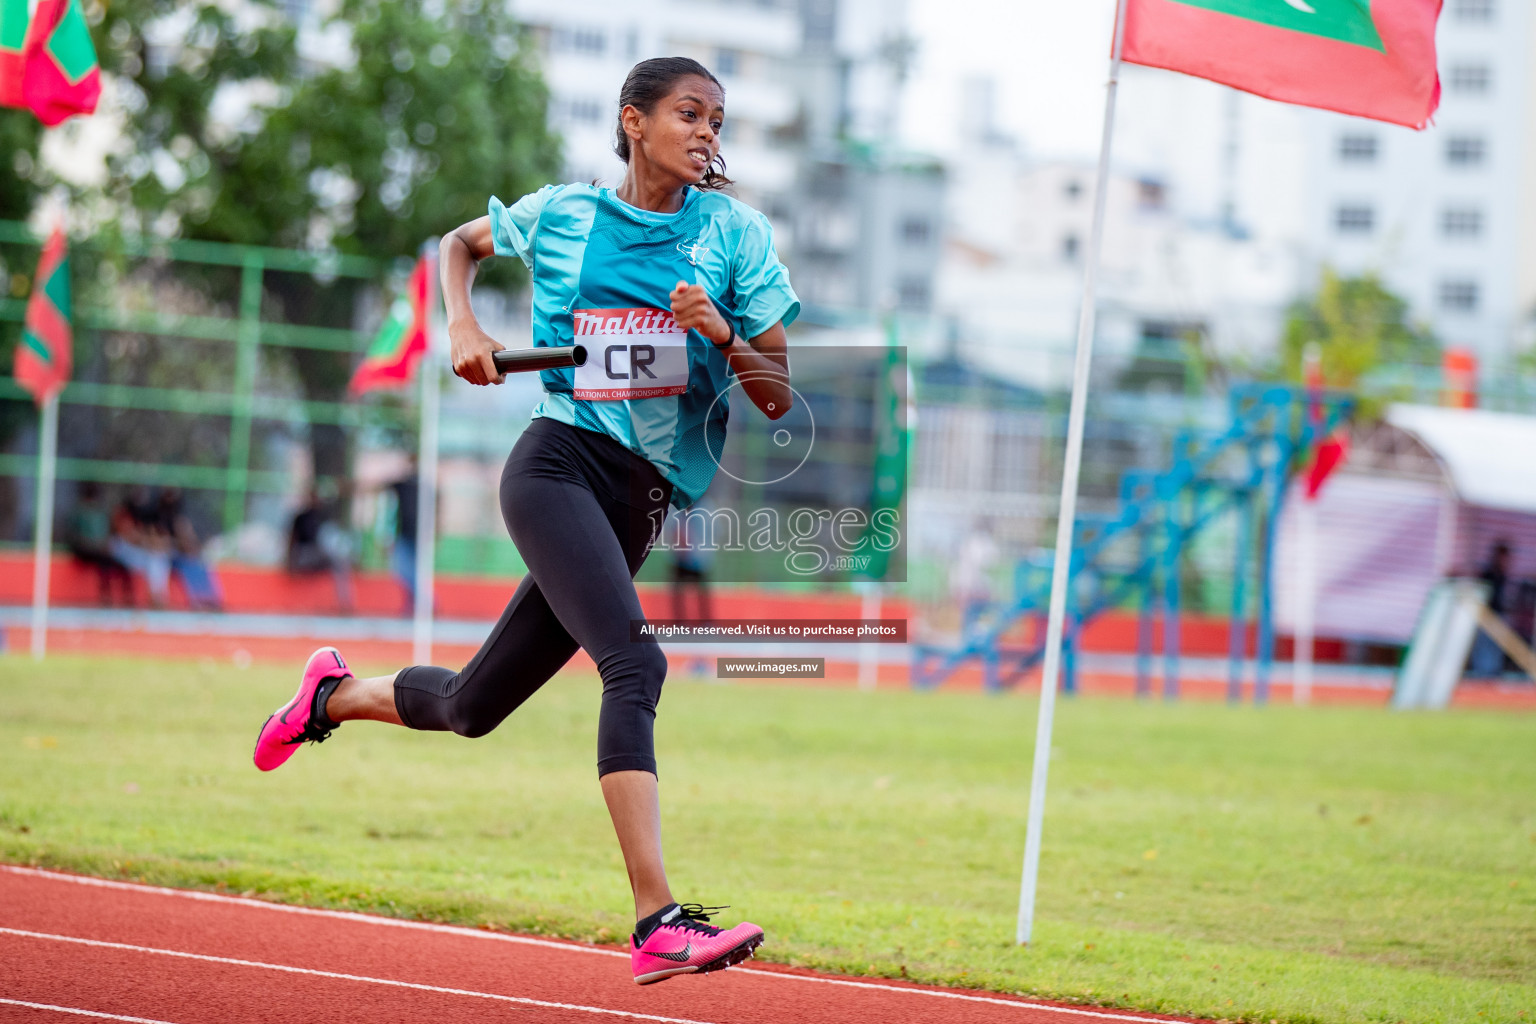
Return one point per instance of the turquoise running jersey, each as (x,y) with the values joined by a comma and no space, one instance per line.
(603,272)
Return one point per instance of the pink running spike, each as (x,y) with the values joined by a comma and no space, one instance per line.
(684,944)
(292,723)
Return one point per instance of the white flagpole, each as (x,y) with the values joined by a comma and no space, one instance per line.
(1068,513)
(1306,598)
(1306,552)
(426,490)
(869,656)
(42,549)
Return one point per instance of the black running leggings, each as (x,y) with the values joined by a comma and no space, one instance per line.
(583,511)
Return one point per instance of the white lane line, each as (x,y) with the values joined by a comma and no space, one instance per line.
(938,994)
(438,989)
(285,908)
(391,922)
(80,1013)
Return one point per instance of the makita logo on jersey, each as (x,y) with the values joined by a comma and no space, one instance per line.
(590,322)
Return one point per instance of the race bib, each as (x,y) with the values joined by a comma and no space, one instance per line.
(631,353)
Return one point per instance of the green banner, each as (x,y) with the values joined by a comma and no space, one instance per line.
(892,440)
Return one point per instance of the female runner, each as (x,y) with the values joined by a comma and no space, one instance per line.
(674,288)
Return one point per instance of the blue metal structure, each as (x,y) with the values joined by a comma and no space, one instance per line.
(1136,553)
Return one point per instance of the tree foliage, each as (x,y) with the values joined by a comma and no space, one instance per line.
(395,124)
(21,182)
(1358,326)
(369,133)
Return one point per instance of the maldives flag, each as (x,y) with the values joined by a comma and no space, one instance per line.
(60,75)
(14,17)
(392,357)
(1372,59)
(46,351)
(1330,451)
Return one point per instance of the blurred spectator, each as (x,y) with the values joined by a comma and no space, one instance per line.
(136,543)
(970,577)
(402,558)
(315,544)
(1487,656)
(203,591)
(692,558)
(89,538)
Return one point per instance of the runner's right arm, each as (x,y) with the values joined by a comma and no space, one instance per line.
(459,256)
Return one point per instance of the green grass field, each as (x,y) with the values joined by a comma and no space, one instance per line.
(1320,865)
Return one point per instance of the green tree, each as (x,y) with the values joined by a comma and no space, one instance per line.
(416,113)
(1359,326)
(21,181)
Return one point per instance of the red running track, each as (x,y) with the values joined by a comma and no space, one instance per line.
(81,949)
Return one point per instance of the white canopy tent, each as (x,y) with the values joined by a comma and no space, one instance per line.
(1423,496)
(1489,457)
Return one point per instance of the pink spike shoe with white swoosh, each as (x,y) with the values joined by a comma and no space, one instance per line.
(298,720)
(685,943)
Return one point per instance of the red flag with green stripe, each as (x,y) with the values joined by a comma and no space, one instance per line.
(14,17)
(60,74)
(1371,58)
(392,357)
(44,357)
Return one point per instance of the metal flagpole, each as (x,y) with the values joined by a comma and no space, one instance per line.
(426,489)
(1306,598)
(869,656)
(1306,539)
(47,463)
(1060,571)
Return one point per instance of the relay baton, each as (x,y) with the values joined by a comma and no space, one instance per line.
(551,357)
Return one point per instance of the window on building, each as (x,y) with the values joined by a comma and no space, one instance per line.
(592,42)
(1151,194)
(915,230)
(1471,78)
(1474,10)
(1458,295)
(1461,222)
(584,109)
(1357,148)
(1070,246)
(819,18)
(1354,219)
(727,61)
(1465,150)
(912,294)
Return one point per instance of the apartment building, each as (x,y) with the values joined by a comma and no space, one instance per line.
(1443,215)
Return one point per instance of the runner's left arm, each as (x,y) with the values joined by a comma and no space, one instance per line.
(760,362)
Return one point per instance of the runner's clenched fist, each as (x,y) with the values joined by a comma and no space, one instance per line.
(694,310)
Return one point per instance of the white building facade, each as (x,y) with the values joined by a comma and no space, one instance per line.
(813,92)
(590,45)
(1011,280)
(1443,215)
